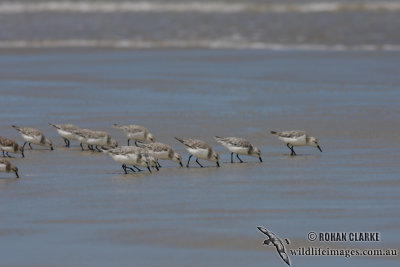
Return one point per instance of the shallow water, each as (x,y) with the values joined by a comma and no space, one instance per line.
(73,208)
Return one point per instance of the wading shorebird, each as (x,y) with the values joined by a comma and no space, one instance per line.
(9,145)
(200,150)
(297,138)
(162,151)
(6,166)
(136,133)
(135,156)
(93,139)
(33,136)
(238,146)
(66,131)
(277,242)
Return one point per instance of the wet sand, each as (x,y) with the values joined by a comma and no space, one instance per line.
(73,208)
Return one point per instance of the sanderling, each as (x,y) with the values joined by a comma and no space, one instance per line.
(162,151)
(135,132)
(66,131)
(135,156)
(296,138)
(199,149)
(239,146)
(6,166)
(33,136)
(95,138)
(9,145)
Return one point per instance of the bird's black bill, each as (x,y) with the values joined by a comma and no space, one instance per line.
(260,159)
(149,169)
(218,164)
(51,148)
(180,163)
(23,155)
(319,148)
(157,168)
(16,173)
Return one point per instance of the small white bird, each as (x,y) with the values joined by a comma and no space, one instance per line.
(200,150)
(136,133)
(6,166)
(297,138)
(239,146)
(135,156)
(33,136)
(95,138)
(9,145)
(162,151)
(66,131)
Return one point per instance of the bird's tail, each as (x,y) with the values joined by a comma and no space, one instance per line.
(180,140)
(54,125)
(273,132)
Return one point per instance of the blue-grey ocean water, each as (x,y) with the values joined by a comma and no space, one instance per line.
(273,24)
(73,208)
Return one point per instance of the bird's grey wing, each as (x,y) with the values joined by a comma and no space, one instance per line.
(266,232)
(292,134)
(240,142)
(284,257)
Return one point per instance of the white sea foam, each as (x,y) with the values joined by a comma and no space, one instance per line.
(201,7)
(183,44)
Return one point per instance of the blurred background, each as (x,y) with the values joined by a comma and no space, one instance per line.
(271,24)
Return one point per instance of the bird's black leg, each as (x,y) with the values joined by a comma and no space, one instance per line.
(136,143)
(159,165)
(232,157)
(187,164)
(24,144)
(97,148)
(30,145)
(66,142)
(197,160)
(139,170)
(3,154)
(129,168)
(291,149)
(148,167)
(82,146)
(241,161)
(8,155)
(128,142)
(124,168)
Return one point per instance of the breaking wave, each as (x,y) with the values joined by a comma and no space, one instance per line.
(205,44)
(201,7)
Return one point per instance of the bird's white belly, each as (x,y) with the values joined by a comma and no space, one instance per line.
(97,141)
(294,141)
(32,139)
(136,136)
(67,135)
(8,148)
(124,159)
(239,150)
(199,153)
(160,155)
